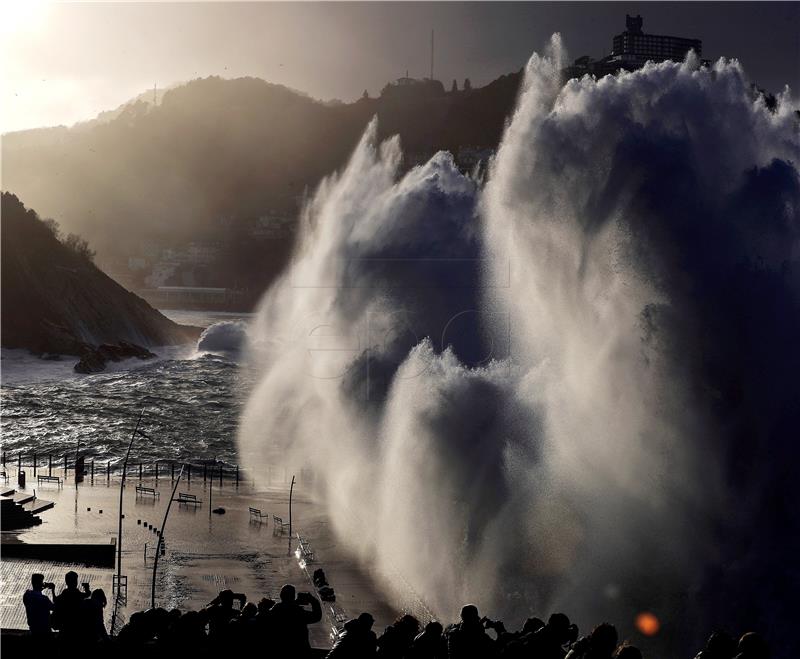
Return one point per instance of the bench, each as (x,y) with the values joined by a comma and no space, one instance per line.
(186,498)
(278,525)
(304,550)
(257,516)
(49,479)
(142,491)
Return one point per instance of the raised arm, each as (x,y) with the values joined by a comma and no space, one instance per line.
(315,615)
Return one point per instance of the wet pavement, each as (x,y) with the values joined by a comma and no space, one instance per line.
(204,553)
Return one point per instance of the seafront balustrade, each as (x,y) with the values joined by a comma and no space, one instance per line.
(90,467)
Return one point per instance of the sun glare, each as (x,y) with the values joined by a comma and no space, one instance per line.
(21,16)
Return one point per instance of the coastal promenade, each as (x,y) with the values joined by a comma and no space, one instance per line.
(204,553)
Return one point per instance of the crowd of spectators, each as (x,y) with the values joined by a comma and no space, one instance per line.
(230,623)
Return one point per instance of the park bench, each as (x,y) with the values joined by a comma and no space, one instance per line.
(187,499)
(49,479)
(257,516)
(305,551)
(142,491)
(278,525)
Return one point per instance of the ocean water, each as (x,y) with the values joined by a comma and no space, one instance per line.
(191,399)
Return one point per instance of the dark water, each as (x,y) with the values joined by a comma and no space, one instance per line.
(191,406)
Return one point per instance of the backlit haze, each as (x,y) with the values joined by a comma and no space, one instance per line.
(63,63)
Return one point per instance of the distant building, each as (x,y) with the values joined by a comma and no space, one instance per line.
(632,49)
(412,88)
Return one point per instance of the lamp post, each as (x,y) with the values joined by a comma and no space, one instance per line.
(291,491)
(160,537)
(210,488)
(135,432)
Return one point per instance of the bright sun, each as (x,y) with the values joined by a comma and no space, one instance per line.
(21,16)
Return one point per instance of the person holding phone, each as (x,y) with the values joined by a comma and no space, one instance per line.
(67,607)
(219,612)
(38,606)
(290,619)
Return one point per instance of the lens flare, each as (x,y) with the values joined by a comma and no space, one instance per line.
(647,623)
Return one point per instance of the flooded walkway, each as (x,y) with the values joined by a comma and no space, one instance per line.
(203,553)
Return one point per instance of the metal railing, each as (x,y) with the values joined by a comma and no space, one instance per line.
(47,463)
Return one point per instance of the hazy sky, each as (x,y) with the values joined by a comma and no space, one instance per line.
(61,63)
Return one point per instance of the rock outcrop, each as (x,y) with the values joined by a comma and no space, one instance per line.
(56,301)
(94,360)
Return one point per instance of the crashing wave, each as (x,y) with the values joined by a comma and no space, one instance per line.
(573,384)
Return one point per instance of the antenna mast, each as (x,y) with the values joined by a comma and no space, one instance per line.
(431,54)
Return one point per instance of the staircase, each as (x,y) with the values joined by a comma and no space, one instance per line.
(13,515)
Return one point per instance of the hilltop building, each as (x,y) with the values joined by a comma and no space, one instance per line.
(412,88)
(631,49)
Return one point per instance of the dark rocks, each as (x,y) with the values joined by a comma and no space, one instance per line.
(57,302)
(94,359)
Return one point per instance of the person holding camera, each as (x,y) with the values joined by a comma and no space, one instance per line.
(219,612)
(468,639)
(289,620)
(38,605)
(67,607)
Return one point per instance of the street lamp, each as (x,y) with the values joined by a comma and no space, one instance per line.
(160,537)
(135,432)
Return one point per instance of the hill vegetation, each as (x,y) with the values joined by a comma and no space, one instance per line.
(215,153)
(55,300)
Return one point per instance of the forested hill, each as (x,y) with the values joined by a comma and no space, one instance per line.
(216,149)
(55,300)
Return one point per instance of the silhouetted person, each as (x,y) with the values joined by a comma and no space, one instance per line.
(346,644)
(752,646)
(38,606)
(628,652)
(67,607)
(262,617)
(369,638)
(718,646)
(289,622)
(468,639)
(430,643)
(190,631)
(133,633)
(397,638)
(220,612)
(91,624)
(357,641)
(600,644)
(244,630)
(548,641)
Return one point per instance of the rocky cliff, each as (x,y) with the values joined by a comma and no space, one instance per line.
(55,300)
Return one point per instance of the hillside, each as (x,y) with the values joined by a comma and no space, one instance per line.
(216,152)
(55,300)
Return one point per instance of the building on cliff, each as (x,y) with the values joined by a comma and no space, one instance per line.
(632,49)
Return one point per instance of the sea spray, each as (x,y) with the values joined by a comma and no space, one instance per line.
(574,387)
(226,337)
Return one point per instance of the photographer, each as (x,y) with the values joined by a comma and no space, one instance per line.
(219,612)
(289,620)
(67,607)
(468,639)
(38,605)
